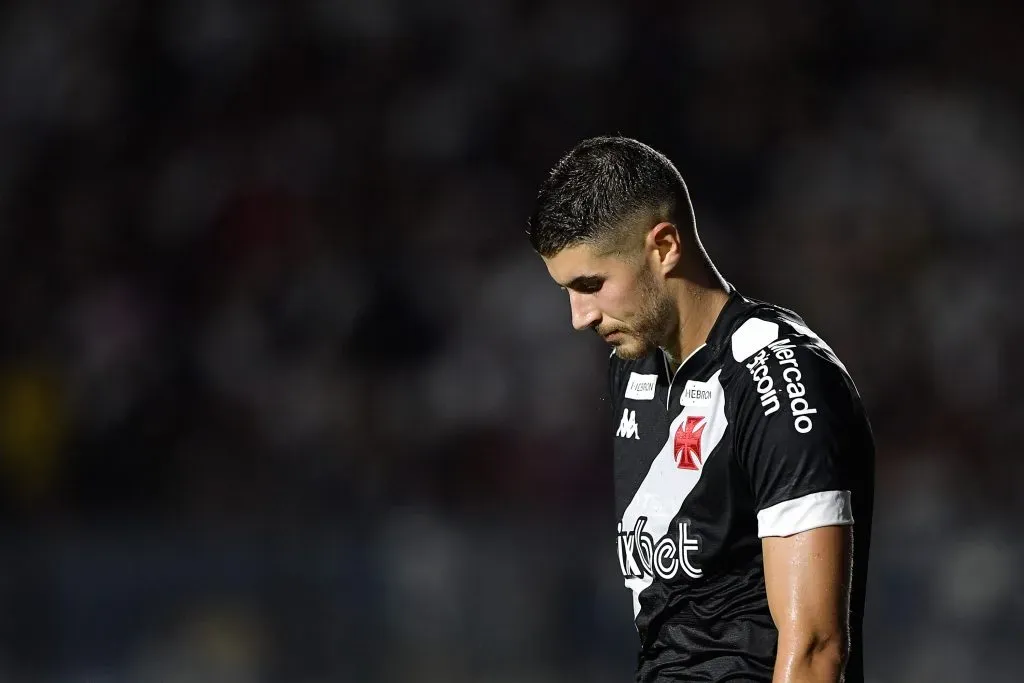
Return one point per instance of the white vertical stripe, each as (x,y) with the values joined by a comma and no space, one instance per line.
(825,508)
(665,487)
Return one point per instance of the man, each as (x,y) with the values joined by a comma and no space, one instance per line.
(744,461)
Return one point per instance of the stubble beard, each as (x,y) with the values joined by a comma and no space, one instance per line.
(651,324)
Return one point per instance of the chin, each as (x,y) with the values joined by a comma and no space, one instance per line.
(632,349)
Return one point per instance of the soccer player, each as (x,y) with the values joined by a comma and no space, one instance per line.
(743,458)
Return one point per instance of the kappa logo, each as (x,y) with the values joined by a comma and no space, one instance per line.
(627,426)
(686,446)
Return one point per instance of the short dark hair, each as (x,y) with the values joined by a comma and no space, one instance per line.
(597,187)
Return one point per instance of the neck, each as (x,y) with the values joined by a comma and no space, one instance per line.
(699,302)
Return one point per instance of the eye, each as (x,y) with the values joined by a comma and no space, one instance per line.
(589,286)
(585,284)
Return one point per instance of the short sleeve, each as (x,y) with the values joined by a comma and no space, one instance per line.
(800,426)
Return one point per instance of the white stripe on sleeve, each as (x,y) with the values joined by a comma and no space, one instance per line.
(826,508)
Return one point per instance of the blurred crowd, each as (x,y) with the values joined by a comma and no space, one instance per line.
(284,394)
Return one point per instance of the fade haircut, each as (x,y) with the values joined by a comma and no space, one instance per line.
(597,193)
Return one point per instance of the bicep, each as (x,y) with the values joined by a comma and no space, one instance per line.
(807,577)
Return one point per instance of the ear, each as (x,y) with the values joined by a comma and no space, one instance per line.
(665,245)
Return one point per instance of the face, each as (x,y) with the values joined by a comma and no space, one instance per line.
(621,299)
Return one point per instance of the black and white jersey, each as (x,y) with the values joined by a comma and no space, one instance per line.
(760,432)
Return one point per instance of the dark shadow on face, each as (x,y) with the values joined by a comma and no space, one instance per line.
(649,326)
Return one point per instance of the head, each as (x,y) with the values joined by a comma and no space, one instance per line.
(612,222)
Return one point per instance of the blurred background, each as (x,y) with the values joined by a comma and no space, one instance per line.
(285,396)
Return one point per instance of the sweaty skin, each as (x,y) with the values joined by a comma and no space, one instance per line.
(807,576)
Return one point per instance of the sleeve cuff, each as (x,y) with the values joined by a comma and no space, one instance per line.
(826,508)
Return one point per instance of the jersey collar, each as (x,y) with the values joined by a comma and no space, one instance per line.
(728,317)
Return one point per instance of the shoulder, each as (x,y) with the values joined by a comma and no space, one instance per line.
(768,329)
(774,360)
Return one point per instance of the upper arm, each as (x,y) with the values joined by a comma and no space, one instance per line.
(802,441)
(807,577)
(800,434)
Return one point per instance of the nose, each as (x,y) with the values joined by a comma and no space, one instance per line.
(584,313)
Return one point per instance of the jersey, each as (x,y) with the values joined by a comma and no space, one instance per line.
(760,432)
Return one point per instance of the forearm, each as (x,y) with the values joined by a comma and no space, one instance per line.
(809,660)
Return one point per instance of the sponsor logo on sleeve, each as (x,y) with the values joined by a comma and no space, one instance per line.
(793,389)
